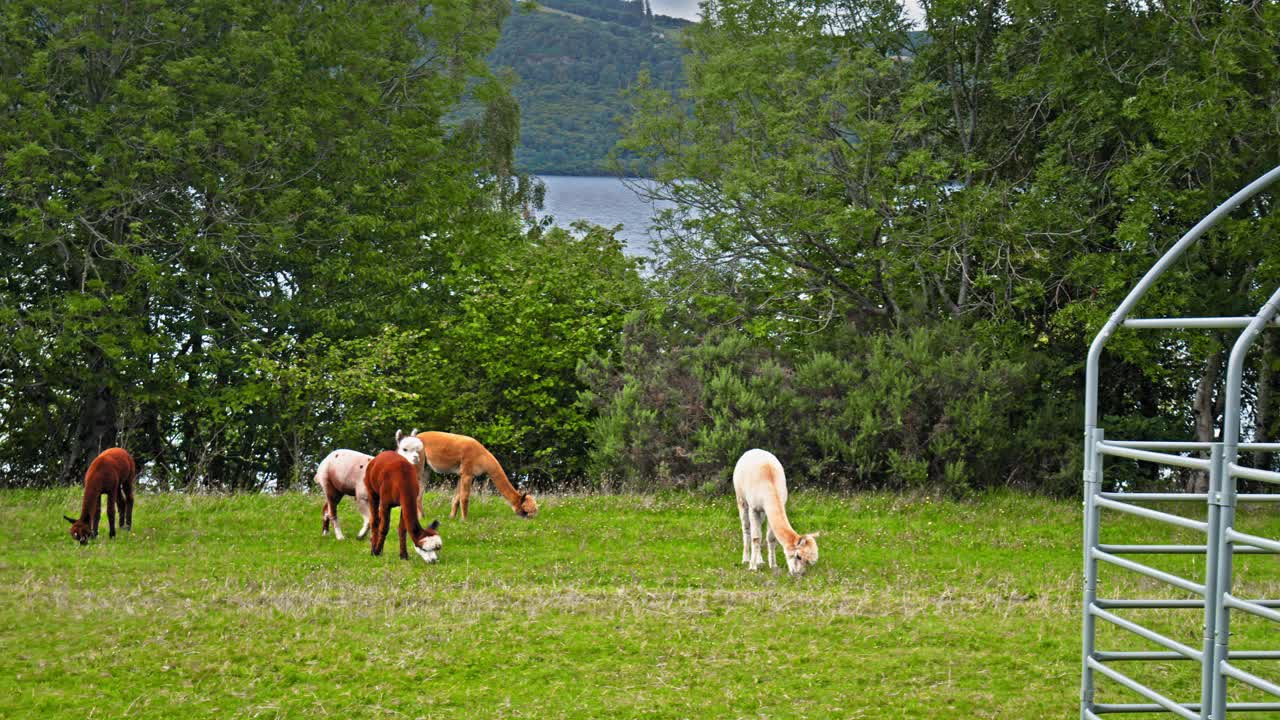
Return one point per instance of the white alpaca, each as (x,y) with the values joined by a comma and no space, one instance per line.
(761,487)
(409,447)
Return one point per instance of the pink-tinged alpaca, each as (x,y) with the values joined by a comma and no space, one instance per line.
(112,473)
(449,453)
(761,487)
(393,481)
(341,473)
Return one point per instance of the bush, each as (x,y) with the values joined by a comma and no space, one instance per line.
(929,407)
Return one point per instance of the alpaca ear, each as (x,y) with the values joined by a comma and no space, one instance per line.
(434,524)
(415,432)
(399,435)
(70,520)
(814,535)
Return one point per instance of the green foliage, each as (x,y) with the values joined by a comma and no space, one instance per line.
(503,368)
(920,409)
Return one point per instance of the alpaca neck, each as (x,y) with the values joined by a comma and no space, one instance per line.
(88,506)
(502,484)
(779,524)
(408,510)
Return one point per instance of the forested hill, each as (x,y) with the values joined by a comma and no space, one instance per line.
(573,59)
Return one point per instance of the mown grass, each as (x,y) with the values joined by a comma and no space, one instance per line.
(603,606)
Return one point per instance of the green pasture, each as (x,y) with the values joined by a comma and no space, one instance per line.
(605,606)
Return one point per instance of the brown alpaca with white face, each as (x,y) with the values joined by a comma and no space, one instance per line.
(761,487)
(392,481)
(449,453)
(112,473)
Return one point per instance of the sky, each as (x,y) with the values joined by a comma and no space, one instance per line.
(688,9)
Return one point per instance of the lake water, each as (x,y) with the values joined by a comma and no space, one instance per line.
(605,201)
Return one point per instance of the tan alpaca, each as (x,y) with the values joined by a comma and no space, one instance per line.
(449,453)
(761,487)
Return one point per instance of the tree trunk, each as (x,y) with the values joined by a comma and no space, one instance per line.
(1262,412)
(1205,411)
(95,429)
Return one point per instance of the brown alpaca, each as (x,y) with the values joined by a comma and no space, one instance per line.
(112,473)
(392,481)
(450,453)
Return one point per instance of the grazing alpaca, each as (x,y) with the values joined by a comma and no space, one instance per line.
(761,488)
(339,474)
(112,473)
(449,453)
(392,481)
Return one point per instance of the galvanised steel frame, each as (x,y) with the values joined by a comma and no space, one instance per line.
(1213,593)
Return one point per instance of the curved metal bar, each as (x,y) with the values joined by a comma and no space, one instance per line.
(1235,372)
(1139,290)
(1209,323)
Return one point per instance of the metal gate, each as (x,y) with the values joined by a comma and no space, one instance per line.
(1213,595)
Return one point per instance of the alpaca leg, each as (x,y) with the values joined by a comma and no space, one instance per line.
(771,542)
(335,497)
(122,512)
(404,528)
(362,504)
(111,513)
(384,523)
(755,541)
(743,514)
(373,534)
(464,494)
(97,514)
(126,495)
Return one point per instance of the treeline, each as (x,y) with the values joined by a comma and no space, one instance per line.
(236,235)
(887,265)
(571,73)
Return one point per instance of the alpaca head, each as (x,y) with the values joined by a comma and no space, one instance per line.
(409,446)
(428,546)
(526,506)
(80,531)
(803,554)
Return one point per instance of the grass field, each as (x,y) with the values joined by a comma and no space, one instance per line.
(603,606)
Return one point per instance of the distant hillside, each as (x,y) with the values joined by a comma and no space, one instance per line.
(573,58)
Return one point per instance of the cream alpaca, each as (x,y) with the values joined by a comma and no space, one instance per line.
(761,487)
